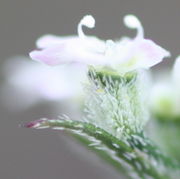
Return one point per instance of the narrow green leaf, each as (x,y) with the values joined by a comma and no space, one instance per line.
(131,158)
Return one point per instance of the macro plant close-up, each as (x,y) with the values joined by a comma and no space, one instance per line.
(112,103)
(115,101)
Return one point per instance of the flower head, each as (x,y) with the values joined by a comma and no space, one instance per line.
(165,97)
(123,56)
(34,82)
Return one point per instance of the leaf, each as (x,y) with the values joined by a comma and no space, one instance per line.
(102,154)
(133,160)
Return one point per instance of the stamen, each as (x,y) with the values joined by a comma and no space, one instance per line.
(87,21)
(133,22)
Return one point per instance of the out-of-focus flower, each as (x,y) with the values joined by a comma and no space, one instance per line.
(176,72)
(176,85)
(162,100)
(31,81)
(123,56)
(166,95)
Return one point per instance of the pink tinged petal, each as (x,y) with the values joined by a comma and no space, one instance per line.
(148,53)
(59,50)
(63,53)
(50,56)
(143,53)
(87,51)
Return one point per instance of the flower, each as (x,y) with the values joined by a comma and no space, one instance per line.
(162,100)
(176,72)
(34,81)
(165,97)
(123,55)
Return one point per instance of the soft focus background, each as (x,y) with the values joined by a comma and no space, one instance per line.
(44,154)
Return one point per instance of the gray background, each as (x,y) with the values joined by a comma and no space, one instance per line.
(31,154)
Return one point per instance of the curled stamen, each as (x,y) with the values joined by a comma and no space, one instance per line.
(133,22)
(87,21)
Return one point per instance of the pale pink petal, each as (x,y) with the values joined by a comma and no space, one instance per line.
(71,51)
(145,53)
(51,56)
(152,52)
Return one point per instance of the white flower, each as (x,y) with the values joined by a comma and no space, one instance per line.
(165,98)
(162,99)
(33,81)
(123,55)
(176,72)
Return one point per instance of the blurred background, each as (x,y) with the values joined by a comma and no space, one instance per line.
(44,154)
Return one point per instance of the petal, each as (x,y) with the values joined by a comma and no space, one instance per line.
(75,50)
(51,56)
(147,54)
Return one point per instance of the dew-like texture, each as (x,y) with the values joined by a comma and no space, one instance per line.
(117,104)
